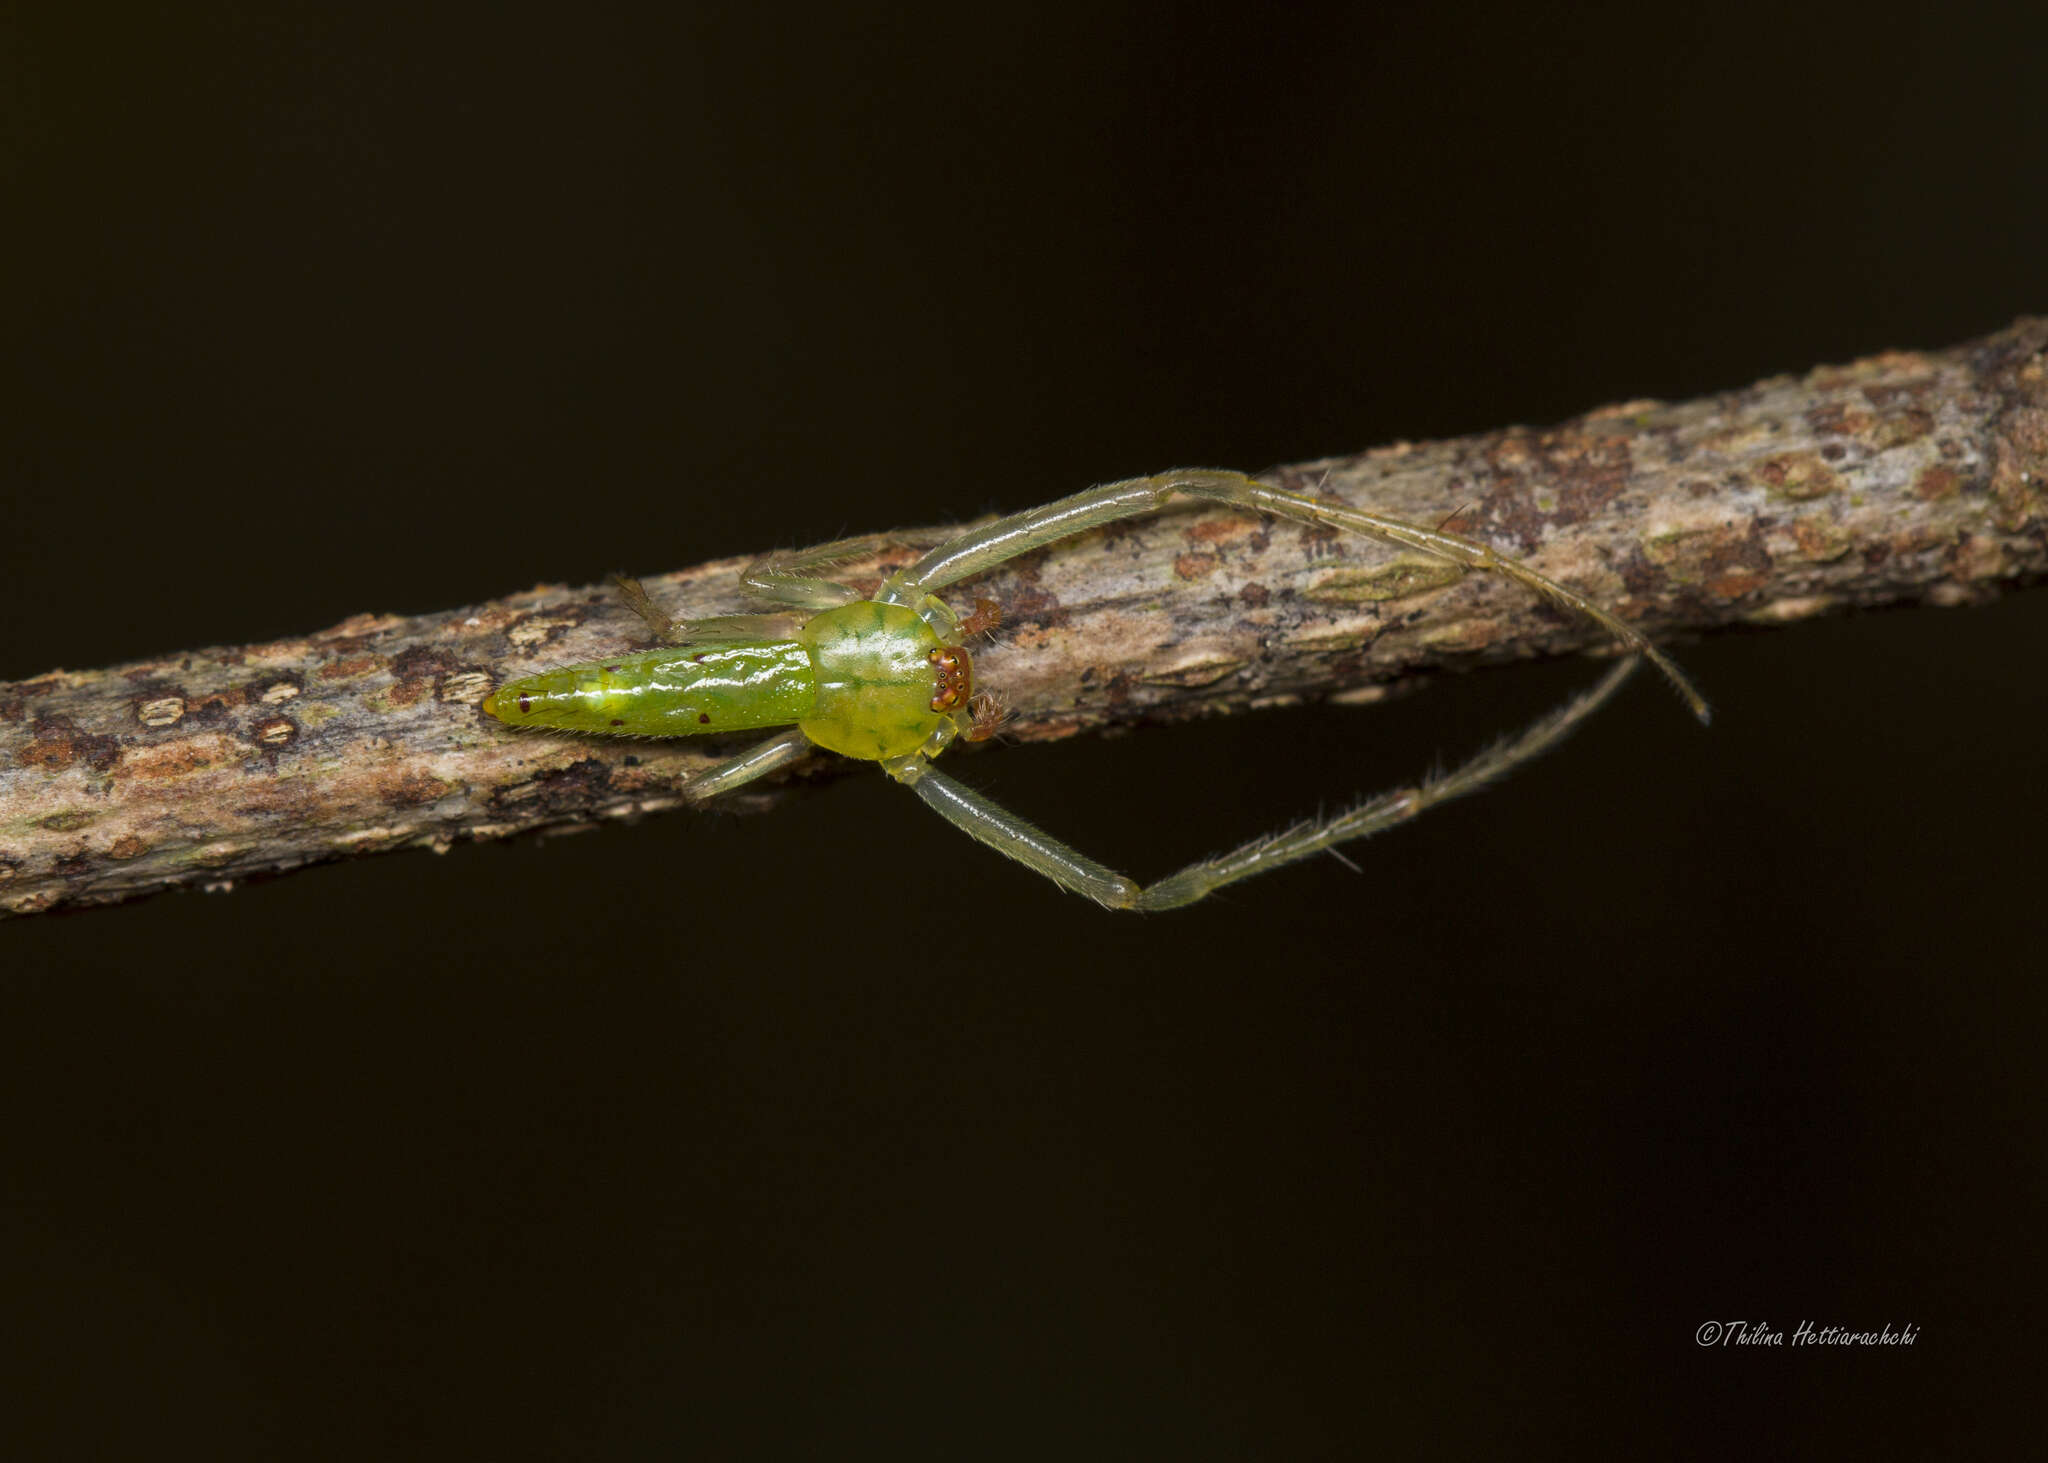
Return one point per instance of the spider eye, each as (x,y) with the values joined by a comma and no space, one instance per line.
(953,679)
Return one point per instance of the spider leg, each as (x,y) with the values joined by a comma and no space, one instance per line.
(997,827)
(795,578)
(1374,815)
(1241,491)
(637,599)
(988,823)
(983,547)
(670,631)
(757,761)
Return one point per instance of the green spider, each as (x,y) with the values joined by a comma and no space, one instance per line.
(886,680)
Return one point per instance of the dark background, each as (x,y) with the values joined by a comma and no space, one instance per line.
(825,1133)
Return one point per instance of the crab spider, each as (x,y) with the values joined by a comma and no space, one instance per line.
(885,679)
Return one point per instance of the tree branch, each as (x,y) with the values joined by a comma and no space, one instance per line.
(1905,477)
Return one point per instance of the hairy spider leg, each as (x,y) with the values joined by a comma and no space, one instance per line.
(671,631)
(793,578)
(996,827)
(757,761)
(981,549)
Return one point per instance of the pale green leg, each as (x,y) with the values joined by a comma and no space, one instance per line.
(789,579)
(1000,829)
(757,761)
(792,578)
(936,613)
(980,549)
(671,631)
(1382,812)
(1013,836)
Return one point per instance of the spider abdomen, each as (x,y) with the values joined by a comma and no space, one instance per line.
(685,690)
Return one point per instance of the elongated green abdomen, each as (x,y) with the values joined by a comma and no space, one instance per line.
(685,690)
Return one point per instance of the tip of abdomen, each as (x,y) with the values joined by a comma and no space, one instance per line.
(507,703)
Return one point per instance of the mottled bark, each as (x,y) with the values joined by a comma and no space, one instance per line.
(1905,477)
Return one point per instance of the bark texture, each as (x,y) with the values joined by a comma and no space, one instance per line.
(1905,477)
